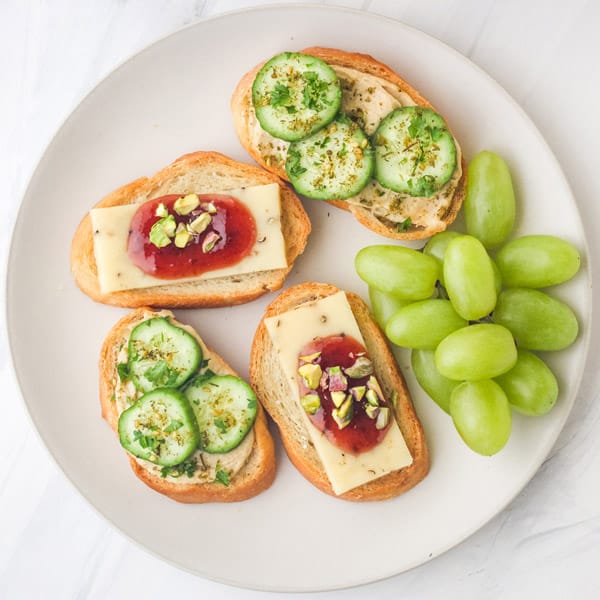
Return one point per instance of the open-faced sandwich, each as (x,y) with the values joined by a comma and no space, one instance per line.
(192,428)
(205,231)
(345,128)
(322,369)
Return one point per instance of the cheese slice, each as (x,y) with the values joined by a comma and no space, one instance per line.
(290,332)
(116,272)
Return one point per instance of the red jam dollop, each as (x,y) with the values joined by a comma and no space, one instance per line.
(340,363)
(227,239)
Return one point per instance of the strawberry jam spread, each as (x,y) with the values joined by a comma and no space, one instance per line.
(175,236)
(341,395)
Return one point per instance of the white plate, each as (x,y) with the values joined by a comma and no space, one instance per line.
(173,98)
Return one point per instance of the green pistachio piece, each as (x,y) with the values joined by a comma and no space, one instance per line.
(210,207)
(186,204)
(361,368)
(200,223)
(162,231)
(346,410)
(341,421)
(372,398)
(310,357)
(373,384)
(337,381)
(310,403)
(161,211)
(383,418)
(182,238)
(358,392)
(338,398)
(210,241)
(311,374)
(372,411)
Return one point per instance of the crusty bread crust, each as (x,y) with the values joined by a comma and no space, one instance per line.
(242,109)
(256,475)
(186,175)
(273,391)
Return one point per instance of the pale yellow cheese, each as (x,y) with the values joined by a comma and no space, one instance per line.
(111,231)
(291,331)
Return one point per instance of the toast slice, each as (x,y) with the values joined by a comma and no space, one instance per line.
(429,215)
(258,470)
(200,172)
(273,389)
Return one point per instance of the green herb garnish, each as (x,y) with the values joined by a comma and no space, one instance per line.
(174,425)
(123,371)
(187,467)
(220,424)
(404,225)
(223,477)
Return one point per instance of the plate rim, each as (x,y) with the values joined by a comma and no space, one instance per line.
(71,112)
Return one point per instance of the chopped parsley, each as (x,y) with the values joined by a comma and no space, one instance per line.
(404,225)
(174,425)
(146,441)
(161,374)
(222,476)
(251,402)
(123,371)
(187,467)
(294,164)
(314,95)
(280,95)
(220,424)
(423,186)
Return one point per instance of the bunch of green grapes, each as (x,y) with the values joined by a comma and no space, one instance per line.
(474,319)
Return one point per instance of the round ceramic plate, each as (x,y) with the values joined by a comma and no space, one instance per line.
(173,98)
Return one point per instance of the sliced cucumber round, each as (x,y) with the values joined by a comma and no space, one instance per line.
(225,409)
(295,95)
(160,427)
(415,153)
(332,164)
(161,355)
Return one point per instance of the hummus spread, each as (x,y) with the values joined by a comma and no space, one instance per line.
(207,464)
(368,99)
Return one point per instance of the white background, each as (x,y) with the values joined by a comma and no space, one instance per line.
(546,544)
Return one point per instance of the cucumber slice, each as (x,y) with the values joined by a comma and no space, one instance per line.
(333,164)
(160,427)
(225,408)
(295,95)
(415,153)
(161,355)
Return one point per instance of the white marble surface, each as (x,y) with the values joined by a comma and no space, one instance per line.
(546,544)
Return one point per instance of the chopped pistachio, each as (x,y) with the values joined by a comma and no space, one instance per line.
(200,223)
(210,241)
(361,368)
(372,411)
(310,403)
(337,381)
(182,238)
(346,410)
(373,384)
(372,398)
(210,207)
(383,418)
(186,204)
(310,357)
(161,211)
(338,398)
(358,392)
(162,231)
(311,374)
(341,422)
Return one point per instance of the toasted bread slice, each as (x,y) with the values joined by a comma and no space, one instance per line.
(433,218)
(258,471)
(200,172)
(273,390)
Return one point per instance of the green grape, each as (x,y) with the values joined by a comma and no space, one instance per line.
(469,278)
(530,385)
(476,352)
(437,386)
(489,206)
(403,272)
(437,245)
(384,305)
(481,414)
(423,324)
(536,261)
(497,277)
(536,320)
